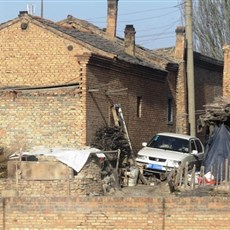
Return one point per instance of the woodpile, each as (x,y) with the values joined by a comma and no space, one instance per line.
(215,113)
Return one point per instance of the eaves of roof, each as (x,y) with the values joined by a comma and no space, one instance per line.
(121,65)
(199,59)
(208,62)
(8,23)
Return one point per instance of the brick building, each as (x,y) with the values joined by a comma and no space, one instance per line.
(58,84)
(208,72)
(208,81)
(59,81)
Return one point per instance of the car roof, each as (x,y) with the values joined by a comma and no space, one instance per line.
(183,136)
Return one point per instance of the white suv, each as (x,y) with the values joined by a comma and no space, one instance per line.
(166,151)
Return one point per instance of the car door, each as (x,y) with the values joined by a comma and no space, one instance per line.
(197,146)
(200,149)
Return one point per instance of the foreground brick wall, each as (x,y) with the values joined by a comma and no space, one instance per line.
(197,213)
(114,213)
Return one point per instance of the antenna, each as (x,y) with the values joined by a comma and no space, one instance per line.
(31,9)
(41,8)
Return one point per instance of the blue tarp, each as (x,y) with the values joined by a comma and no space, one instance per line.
(217,151)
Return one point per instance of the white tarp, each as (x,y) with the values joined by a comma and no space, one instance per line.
(74,158)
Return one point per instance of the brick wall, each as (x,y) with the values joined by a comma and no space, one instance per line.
(114,213)
(226,83)
(153,90)
(208,80)
(84,183)
(181,88)
(39,57)
(208,86)
(41,118)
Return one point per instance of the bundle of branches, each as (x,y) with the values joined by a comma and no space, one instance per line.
(216,112)
(112,138)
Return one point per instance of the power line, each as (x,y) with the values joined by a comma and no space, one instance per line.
(141,19)
(142,11)
(143,42)
(157,36)
(152,35)
(163,37)
(148,18)
(150,10)
(157,28)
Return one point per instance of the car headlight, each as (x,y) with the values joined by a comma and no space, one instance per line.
(142,157)
(172,163)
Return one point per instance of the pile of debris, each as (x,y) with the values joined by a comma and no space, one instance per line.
(215,113)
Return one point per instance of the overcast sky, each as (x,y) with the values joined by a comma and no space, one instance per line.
(155,21)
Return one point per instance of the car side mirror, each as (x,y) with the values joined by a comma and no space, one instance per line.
(144,144)
(195,152)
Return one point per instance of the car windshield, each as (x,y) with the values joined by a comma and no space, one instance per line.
(169,143)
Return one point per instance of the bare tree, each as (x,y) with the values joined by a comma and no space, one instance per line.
(211,26)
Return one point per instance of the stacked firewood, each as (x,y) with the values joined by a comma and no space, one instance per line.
(216,112)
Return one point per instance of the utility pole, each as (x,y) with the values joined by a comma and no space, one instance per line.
(41,8)
(190,68)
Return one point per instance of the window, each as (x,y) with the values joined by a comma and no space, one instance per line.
(193,146)
(199,146)
(169,143)
(139,107)
(170,111)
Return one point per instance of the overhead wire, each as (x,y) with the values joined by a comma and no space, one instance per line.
(141,11)
(158,27)
(165,30)
(159,36)
(140,19)
(148,18)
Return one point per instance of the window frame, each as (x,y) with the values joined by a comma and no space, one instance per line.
(139,106)
(170,110)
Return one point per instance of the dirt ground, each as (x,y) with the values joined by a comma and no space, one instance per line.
(157,189)
(161,189)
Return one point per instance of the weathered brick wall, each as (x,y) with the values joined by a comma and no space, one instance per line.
(181,88)
(153,90)
(197,213)
(39,57)
(226,83)
(172,94)
(114,213)
(208,86)
(208,80)
(86,182)
(41,118)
